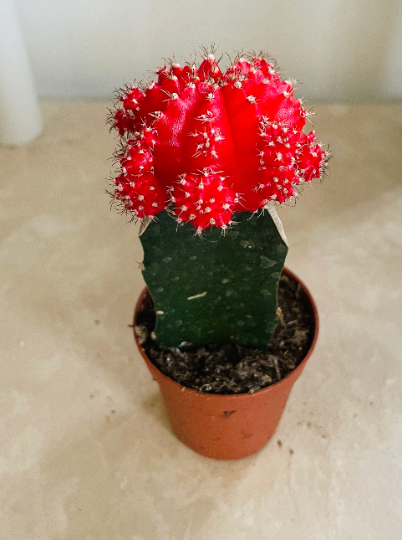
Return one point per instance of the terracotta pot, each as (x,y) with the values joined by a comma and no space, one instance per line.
(227,426)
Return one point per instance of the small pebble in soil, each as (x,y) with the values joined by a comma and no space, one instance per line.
(231,368)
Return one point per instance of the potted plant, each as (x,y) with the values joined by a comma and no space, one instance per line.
(204,159)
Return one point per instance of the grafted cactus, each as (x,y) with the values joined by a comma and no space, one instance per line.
(203,151)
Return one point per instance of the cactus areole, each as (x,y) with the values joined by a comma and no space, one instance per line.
(204,158)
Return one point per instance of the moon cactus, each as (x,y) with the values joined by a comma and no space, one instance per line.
(212,149)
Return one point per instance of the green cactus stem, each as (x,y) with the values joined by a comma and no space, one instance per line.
(215,289)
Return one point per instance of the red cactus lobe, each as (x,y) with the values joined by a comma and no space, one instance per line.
(163,73)
(125,119)
(277,144)
(203,199)
(234,133)
(123,122)
(148,137)
(138,159)
(143,195)
(276,184)
(173,127)
(183,73)
(132,100)
(243,114)
(154,102)
(210,142)
(310,161)
(209,69)
(171,86)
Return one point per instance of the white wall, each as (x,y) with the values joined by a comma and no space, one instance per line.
(341,50)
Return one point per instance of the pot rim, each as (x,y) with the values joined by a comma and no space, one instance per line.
(243,395)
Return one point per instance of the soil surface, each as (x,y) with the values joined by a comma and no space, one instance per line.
(232,369)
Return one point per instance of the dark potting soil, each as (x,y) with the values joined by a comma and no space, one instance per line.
(232,369)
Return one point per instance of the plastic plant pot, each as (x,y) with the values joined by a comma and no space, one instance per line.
(228,426)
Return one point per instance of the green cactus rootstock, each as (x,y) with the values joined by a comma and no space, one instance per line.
(215,289)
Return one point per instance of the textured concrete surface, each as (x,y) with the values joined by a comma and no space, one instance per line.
(86,451)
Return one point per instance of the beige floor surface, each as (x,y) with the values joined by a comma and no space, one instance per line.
(86,451)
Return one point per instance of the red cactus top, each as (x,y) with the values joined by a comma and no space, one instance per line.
(207,144)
